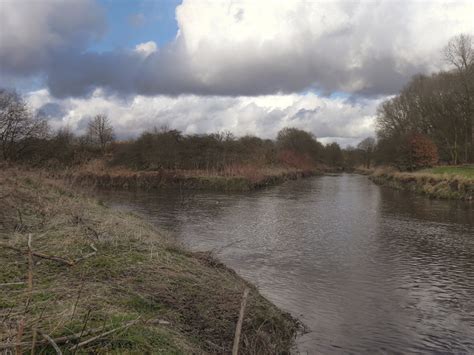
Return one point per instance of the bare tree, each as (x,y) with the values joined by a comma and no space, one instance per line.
(368,147)
(100,131)
(17,125)
(460,53)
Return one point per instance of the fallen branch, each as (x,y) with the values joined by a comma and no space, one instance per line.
(60,340)
(90,340)
(238,329)
(39,255)
(52,342)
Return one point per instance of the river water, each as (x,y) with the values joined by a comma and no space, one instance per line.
(366,268)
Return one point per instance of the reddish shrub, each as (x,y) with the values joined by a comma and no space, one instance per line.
(423,152)
(293,159)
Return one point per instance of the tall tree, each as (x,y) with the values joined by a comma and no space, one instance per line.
(100,131)
(367,146)
(18,126)
(460,53)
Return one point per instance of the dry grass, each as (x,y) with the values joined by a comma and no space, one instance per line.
(436,185)
(233,178)
(177,301)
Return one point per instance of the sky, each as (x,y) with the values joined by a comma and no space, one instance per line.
(201,66)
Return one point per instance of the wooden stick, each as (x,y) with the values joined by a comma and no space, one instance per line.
(30,265)
(238,329)
(52,342)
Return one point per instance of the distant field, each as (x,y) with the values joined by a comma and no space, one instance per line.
(466,171)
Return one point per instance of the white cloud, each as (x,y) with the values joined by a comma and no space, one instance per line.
(329,119)
(146,48)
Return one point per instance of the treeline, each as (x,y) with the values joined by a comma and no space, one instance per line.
(25,137)
(170,149)
(431,119)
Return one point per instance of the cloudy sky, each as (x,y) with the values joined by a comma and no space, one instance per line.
(200,66)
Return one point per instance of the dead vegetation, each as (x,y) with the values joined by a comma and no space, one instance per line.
(98,173)
(79,277)
(445,186)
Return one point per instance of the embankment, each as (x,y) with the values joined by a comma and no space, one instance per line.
(442,186)
(101,281)
(111,178)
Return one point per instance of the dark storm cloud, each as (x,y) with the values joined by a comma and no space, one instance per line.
(52,111)
(221,49)
(34,33)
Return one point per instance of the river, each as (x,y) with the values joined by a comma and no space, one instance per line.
(365,268)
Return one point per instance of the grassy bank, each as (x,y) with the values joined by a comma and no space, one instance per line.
(243,178)
(110,282)
(466,172)
(438,182)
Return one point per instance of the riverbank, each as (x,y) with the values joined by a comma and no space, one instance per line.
(84,275)
(99,174)
(439,182)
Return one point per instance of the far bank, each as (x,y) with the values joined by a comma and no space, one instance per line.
(443,182)
(243,178)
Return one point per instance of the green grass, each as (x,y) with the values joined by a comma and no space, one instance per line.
(464,171)
(183,302)
(444,182)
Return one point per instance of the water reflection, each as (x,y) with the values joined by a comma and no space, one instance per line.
(367,269)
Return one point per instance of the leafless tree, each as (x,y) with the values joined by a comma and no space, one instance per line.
(460,53)
(368,147)
(18,126)
(100,131)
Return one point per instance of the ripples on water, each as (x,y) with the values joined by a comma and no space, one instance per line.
(367,269)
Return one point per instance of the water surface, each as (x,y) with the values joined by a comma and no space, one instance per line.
(367,269)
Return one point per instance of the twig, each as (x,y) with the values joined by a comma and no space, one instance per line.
(52,342)
(90,340)
(12,283)
(19,335)
(238,329)
(30,265)
(83,328)
(33,341)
